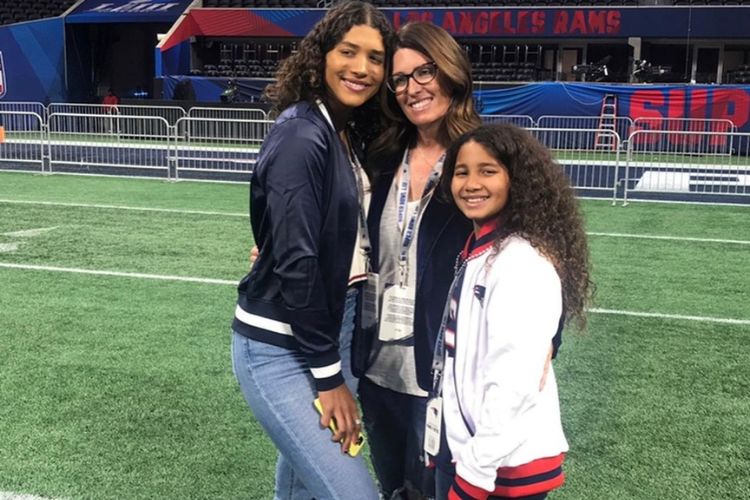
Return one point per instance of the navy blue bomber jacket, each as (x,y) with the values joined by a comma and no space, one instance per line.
(303,212)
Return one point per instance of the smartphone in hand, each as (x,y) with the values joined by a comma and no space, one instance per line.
(355,447)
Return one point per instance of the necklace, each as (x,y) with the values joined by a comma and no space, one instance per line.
(427,161)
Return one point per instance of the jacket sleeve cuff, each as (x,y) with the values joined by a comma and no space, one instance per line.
(463,490)
(557,339)
(327,377)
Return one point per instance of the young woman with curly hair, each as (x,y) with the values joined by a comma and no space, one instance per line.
(306,198)
(523,272)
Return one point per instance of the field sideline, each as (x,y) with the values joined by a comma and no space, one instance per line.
(116,302)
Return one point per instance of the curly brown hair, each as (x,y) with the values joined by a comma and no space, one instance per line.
(301,76)
(541,207)
(454,76)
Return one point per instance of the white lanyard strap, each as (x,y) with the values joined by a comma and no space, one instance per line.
(438,358)
(364,233)
(364,240)
(406,227)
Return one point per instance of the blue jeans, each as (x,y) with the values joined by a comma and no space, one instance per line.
(279,389)
(395,428)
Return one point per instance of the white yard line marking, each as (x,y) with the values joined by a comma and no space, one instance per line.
(211,281)
(122,207)
(29,233)
(670,238)
(75,270)
(235,214)
(8,247)
(707,319)
(9,495)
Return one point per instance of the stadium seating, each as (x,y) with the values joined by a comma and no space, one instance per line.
(13,11)
(19,10)
(739,75)
(464,3)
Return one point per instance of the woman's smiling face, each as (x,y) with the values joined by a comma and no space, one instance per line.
(423,104)
(355,67)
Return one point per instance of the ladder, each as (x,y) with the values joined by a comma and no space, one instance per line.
(605,137)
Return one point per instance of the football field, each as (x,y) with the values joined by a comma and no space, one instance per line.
(116,298)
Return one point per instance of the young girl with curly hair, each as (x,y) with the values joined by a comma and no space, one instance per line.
(523,272)
(306,210)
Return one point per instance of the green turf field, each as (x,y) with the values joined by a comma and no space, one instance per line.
(118,385)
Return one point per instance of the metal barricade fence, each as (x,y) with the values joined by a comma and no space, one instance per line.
(170,113)
(522,121)
(225,147)
(717,142)
(589,168)
(25,107)
(109,144)
(621,124)
(21,141)
(687,167)
(227,113)
(702,159)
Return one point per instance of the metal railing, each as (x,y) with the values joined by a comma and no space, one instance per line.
(688,165)
(228,113)
(81,143)
(170,113)
(716,138)
(25,107)
(523,121)
(227,147)
(700,158)
(21,140)
(590,169)
(622,125)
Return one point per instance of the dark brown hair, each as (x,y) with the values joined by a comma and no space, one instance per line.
(541,207)
(454,76)
(301,76)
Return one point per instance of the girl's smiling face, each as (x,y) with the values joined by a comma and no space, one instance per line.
(480,184)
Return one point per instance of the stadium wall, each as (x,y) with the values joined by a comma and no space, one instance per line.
(32,61)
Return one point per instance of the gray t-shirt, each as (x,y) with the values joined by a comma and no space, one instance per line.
(392,364)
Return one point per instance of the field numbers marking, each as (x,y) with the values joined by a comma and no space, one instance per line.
(29,233)
(9,495)
(25,233)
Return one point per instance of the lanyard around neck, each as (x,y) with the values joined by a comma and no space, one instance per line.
(438,358)
(406,227)
(364,234)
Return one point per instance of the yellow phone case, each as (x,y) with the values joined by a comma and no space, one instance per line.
(354,448)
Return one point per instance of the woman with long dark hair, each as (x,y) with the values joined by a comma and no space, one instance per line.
(306,195)
(415,237)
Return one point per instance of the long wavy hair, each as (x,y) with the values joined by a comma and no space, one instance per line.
(454,77)
(541,207)
(301,76)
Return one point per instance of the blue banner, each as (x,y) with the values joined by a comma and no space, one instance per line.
(502,22)
(716,102)
(128,11)
(594,22)
(32,61)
